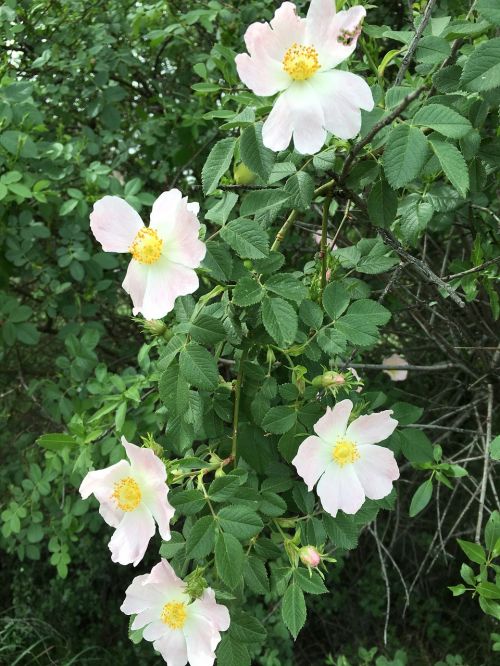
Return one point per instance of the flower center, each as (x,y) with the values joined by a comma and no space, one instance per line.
(127,494)
(174,614)
(345,452)
(147,246)
(301,62)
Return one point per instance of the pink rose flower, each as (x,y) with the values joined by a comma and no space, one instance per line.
(132,496)
(396,375)
(181,630)
(296,57)
(344,460)
(164,255)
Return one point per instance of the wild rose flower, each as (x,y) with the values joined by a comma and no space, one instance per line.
(182,631)
(164,255)
(132,496)
(296,57)
(345,461)
(396,375)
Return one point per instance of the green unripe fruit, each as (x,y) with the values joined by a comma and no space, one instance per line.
(243,175)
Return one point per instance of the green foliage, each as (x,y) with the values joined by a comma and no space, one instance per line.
(131,99)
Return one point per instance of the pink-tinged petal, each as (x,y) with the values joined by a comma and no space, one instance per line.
(146,617)
(114,224)
(111,514)
(297,112)
(371,428)
(155,630)
(376,469)
(131,538)
(341,95)
(333,423)
(164,576)
(162,511)
(312,458)
(177,224)
(288,28)
(278,128)
(155,287)
(206,606)
(201,638)
(101,484)
(336,37)
(140,596)
(135,283)
(264,77)
(145,462)
(396,375)
(166,282)
(172,647)
(340,489)
(319,23)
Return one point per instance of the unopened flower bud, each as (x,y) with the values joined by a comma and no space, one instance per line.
(328,379)
(309,556)
(155,327)
(195,583)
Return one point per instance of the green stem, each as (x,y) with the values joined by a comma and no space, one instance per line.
(324,250)
(236,414)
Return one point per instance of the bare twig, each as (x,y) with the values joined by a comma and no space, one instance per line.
(476,269)
(486,443)
(386,580)
(414,42)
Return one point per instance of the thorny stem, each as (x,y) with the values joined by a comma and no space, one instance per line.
(324,250)
(236,414)
(414,43)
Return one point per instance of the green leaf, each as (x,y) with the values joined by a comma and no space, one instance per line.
(218,261)
(255,575)
(444,120)
(174,389)
(404,155)
(492,530)
(311,314)
(280,320)
(488,590)
(262,201)
(312,583)
(293,609)
(474,551)
(207,330)
(219,213)
(279,420)
(200,541)
(254,154)
(232,653)
(229,559)
(198,367)
(56,441)
(342,530)
(301,189)
(490,9)
(187,502)
(421,498)
(495,448)
(382,204)
(247,292)
(457,590)
(482,67)
(247,238)
(405,413)
(223,487)
(287,286)
(453,164)
(416,446)
(332,342)
(432,50)
(247,629)
(335,300)
(240,521)
(218,162)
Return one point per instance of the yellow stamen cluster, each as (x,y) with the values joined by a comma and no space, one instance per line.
(147,246)
(127,494)
(301,62)
(174,614)
(345,452)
